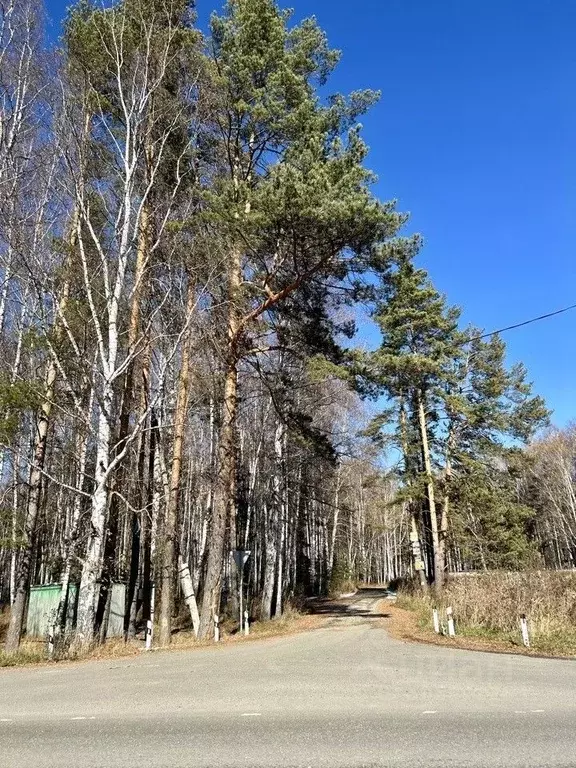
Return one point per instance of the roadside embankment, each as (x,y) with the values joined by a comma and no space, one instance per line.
(487,609)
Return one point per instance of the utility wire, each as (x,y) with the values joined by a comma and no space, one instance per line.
(519,325)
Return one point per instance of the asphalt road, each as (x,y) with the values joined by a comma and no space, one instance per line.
(343,696)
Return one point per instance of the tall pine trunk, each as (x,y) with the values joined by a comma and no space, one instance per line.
(438,576)
(443,533)
(224,507)
(168,566)
(223,502)
(415,541)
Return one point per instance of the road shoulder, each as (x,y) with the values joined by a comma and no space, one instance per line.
(402,624)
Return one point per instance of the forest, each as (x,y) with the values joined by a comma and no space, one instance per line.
(189,234)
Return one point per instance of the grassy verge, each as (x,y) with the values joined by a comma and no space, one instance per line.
(291,622)
(26,654)
(487,609)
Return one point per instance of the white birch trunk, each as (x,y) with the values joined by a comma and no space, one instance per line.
(91,568)
(189,595)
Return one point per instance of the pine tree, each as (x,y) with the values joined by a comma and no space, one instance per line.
(489,413)
(459,414)
(420,339)
(292,200)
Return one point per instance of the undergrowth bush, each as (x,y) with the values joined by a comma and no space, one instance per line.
(341,580)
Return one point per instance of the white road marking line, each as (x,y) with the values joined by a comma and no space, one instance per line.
(251,714)
(430,712)
(536,710)
(77,718)
(520,712)
(6,720)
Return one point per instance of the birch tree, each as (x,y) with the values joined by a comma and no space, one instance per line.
(293,194)
(133,46)
(188,235)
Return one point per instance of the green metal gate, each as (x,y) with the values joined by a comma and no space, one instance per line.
(43,606)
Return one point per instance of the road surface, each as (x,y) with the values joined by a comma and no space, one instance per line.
(343,696)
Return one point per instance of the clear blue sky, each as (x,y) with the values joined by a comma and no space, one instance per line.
(475,135)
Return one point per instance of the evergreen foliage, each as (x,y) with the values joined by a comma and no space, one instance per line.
(182,268)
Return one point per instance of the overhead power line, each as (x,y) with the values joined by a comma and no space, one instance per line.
(519,325)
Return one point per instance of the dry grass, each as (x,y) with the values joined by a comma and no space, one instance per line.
(291,622)
(114,648)
(30,652)
(488,606)
(35,651)
(4,621)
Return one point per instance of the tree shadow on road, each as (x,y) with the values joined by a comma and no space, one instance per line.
(348,607)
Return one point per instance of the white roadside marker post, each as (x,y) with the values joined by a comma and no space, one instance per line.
(51,635)
(150,622)
(216,629)
(524,630)
(436,620)
(449,616)
(246,624)
(148,635)
(240,557)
